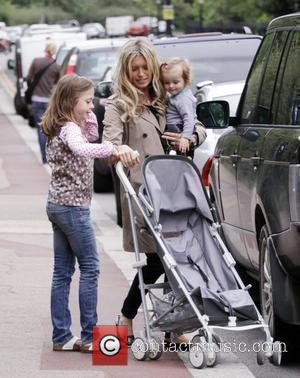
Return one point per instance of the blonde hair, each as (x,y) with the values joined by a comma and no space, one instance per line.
(50,48)
(63,100)
(128,96)
(184,64)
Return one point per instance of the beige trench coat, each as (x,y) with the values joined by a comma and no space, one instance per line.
(141,134)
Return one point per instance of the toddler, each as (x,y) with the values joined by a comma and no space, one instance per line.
(181,106)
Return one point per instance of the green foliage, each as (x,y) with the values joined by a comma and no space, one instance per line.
(232,10)
(35,13)
(213,11)
(183,13)
(277,7)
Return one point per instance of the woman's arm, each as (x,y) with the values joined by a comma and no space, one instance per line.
(199,134)
(197,139)
(114,132)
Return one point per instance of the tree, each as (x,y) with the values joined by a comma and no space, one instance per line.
(277,7)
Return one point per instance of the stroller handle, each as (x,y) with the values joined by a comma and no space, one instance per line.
(123,177)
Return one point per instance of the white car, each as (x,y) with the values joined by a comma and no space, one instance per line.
(208,91)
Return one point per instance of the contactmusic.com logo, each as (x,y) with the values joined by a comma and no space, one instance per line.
(110,345)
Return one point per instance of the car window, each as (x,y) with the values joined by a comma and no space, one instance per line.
(288,112)
(263,112)
(219,61)
(93,64)
(253,83)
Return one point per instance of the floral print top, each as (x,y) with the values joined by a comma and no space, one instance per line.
(70,156)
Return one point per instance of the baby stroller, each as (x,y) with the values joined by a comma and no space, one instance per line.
(204,291)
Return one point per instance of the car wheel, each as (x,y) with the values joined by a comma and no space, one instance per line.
(279,330)
(265,286)
(20,106)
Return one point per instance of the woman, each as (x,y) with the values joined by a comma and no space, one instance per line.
(135,116)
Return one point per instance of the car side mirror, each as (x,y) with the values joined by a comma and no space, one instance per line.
(213,114)
(11,64)
(104,89)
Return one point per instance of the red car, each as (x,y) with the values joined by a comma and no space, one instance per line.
(138,28)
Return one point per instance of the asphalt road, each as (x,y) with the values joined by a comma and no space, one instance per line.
(240,359)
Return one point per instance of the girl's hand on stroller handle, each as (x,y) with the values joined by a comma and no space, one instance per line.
(128,156)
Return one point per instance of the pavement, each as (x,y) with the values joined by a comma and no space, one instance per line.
(26,262)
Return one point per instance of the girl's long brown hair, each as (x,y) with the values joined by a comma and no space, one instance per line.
(128,96)
(63,100)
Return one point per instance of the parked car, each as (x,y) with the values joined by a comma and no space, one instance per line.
(14,32)
(207,91)
(151,22)
(4,41)
(94,30)
(138,28)
(255,177)
(91,58)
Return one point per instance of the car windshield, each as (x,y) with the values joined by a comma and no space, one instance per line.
(93,64)
(219,61)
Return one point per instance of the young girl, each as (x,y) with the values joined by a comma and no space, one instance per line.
(181,106)
(70,125)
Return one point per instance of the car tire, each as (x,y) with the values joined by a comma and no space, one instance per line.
(280,331)
(265,282)
(20,106)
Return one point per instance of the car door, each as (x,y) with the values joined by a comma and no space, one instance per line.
(229,151)
(228,159)
(251,145)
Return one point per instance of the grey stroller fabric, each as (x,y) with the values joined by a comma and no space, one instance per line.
(182,208)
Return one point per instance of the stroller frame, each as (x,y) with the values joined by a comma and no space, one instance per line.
(150,346)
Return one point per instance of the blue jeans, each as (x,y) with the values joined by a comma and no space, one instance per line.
(38,109)
(73,239)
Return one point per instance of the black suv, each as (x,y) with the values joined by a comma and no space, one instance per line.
(255,176)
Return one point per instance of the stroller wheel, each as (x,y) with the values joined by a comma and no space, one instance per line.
(211,350)
(140,349)
(197,356)
(260,357)
(215,338)
(156,349)
(275,359)
(212,355)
